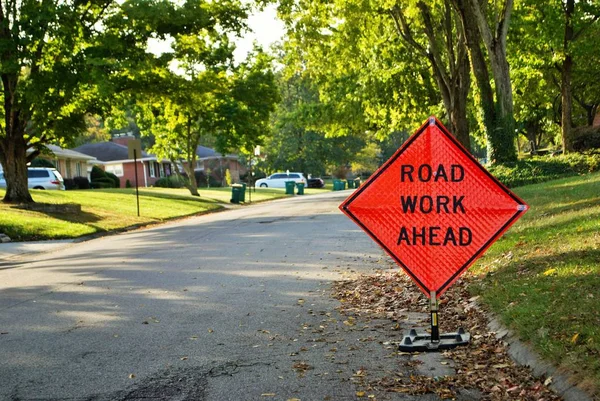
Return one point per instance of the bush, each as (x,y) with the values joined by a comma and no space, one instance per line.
(228,177)
(82,182)
(128,184)
(201,180)
(97,173)
(70,184)
(172,181)
(545,168)
(102,183)
(115,179)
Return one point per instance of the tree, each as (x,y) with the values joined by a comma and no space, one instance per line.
(213,98)
(46,80)
(63,59)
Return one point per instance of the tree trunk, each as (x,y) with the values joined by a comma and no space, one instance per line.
(567,67)
(460,122)
(13,147)
(480,70)
(504,136)
(13,156)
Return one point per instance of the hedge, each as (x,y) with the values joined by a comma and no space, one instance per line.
(545,168)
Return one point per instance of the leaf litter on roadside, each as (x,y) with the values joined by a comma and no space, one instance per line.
(483,365)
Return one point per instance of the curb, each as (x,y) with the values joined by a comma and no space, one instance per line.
(524,355)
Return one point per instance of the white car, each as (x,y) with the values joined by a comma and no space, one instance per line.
(278,180)
(40,178)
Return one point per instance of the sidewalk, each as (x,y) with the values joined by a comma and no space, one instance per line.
(11,250)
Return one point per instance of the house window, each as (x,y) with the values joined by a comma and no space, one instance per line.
(152,169)
(78,169)
(116,169)
(68,164)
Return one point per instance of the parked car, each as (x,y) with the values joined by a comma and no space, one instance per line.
(315,183)
(40,178)
(278,180)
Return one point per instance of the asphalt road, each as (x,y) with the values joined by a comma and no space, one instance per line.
(228,306)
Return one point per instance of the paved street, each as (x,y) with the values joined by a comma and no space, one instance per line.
(226,306)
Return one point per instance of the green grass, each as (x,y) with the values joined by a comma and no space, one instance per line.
(543,277)
(105,210)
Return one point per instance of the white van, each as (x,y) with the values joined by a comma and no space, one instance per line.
(40,178)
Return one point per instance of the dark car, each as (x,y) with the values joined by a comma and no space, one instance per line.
(315,183)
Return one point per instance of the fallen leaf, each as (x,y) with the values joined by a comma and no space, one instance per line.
(548,381)
(132,376)
(268,395)
(575,338)
(210,330)
(184,358)
(360,394)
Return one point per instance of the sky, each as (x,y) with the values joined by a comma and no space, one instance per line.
(266,30)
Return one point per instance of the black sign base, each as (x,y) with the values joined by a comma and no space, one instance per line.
(421,342)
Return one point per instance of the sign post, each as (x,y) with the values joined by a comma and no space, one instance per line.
(134,148)
(434,209)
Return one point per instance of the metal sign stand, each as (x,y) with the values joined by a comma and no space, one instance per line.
(419,342)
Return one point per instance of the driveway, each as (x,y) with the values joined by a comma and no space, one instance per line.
(227,306)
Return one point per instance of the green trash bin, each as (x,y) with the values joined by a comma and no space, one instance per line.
(350,184)
(336,185)
(300,188)
(356,182)
(243,194)
(289,187)
(236,193)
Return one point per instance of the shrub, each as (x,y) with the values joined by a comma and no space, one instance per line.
(115,179)
(97,173)
(70,184)
(82,182)
(228,177)
(128,184)
(102,183)
(172,181)
(545,168)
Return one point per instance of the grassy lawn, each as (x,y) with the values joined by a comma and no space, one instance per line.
(543,277)
(115,209)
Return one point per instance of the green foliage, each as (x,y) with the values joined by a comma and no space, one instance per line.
(97,173)
(545,168)
(41,162)
(173,181)
(115,179)
(82,182)
(228,177)
(128,184)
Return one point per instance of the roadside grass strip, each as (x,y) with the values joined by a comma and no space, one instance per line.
(101,211)
(543,277)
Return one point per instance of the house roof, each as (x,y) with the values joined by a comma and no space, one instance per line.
(107,151)
(207,153)
(68,154)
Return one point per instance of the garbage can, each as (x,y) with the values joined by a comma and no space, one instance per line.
(236,193)
(243,194)
(289,187)
(336,185)
(357,182)
(300,188)
(350,184)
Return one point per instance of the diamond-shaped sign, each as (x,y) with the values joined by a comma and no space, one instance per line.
(433,208)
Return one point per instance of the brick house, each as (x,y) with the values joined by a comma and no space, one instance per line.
(69,163)
(209,160)
(113,157)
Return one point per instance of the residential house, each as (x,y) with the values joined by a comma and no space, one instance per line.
(210,160)
(69,163)
(113,157)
